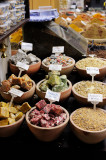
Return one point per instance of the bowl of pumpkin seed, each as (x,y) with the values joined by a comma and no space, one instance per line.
(88,124)
(99,63)
(81,90)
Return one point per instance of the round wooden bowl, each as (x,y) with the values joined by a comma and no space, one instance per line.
(9,130)
(32,68)
(47,134)
(65,70)
(90,137)
(83,100)
(64,95)
(83,73)
(26,96)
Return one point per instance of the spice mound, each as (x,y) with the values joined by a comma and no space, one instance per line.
(47,115)
(60,60)
(54,82)
(97,20)
(90,62)
(90,119)
(75,27)
(95,31)
(85,87)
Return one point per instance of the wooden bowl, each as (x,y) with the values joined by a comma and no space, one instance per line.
(9,130)
(32,68)
(26,96)
(65,70)
(91,137)
(83,73)
(83,100)
(64,95)
(46,134)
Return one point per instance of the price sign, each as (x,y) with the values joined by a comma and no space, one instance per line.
(95,97)
(27,46)
(68,19)
(54,96)
(92,70)
(75,15)
(16,92)
(55,67)
(59,49)
(83,23)
(22,65)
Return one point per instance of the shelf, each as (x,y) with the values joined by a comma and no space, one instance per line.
(13,29)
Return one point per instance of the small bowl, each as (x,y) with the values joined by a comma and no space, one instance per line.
(47,134)
(83,100)
(9,130)
(65,70)
(64,95)
(90,137)
(32,68)
(83,73)
(27,95)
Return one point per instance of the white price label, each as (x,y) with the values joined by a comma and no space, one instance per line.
(55,67)
(16,92)
(92,70)
(75,15)
(83,23)
(95,97)
(27,46)
(68,19)
(54,96)
(59,49)
(22,65)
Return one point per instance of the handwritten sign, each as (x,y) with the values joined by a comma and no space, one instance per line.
(92,70)
(54,96)
(27,46)
(95,97)
(55,67)
(22,65)
(59,49)
(16,92)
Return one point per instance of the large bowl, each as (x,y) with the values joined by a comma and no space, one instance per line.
(47,134)
(9,130)
(64,95)
(65,70)
(32,68)
(90,137)
(83,73)
(26,96)
(83,100)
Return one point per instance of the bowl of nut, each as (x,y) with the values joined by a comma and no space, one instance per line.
(47,121)
(11,117)
(91,62)
(55,82)
(81,89)
(89,125)
(66,62)
(24,83)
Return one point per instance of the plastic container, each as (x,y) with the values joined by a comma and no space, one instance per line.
(2,8)
(19,17)
(3,28)
(12,13)
(3,19)
(9,24)
(18,8)
(13,21)
(17,3)
(23,7)
(12,5)
(21,1)
(23,15)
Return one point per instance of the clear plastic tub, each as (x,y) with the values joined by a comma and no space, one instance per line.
(12,13)
(17,3)
(12,5)
(2,8)
(23,7)
(21,1)
(9,24)
(3,28)
(3,18)
(23,15)
(13,21)
(19,17)
(18,8)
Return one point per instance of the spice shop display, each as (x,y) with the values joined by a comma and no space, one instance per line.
(56,83)
(89,125)
(66,62)
(47,121)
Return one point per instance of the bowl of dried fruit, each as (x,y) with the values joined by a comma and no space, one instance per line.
(66,62)
(81,89)
(47,121)
(89,125)
(24,83)
(91,62)
(11,117)
(56,83)
(29,59)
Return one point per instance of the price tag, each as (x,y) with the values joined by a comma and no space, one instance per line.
(54,96)
(55,67)
(16,92)
(75,15)
(59,49)
(68,19)
(92,70)
(73,6)
(95,97)
(83,23)
(27,46)
(22,65)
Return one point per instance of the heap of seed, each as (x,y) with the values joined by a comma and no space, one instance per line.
(90,119)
